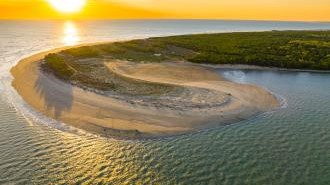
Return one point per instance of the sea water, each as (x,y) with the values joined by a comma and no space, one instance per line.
(290,145)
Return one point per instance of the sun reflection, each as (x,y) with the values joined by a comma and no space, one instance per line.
(71,36)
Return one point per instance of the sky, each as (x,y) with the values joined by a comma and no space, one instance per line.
(300,10)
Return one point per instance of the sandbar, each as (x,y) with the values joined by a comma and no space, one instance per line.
(205,100)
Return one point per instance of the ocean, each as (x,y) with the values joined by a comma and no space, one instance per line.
(290,145)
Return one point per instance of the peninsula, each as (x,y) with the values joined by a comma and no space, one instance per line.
(156,87)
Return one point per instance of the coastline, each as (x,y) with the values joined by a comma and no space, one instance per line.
(254,67)
(111,117)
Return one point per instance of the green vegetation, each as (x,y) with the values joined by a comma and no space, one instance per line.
(90,72)
(82,52)
(287,49)
(85,65)
(284,49)
(57,64)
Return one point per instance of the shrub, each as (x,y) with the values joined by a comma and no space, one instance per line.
(57,64)
(82,52)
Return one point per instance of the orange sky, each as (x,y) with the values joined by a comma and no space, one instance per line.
(309,10)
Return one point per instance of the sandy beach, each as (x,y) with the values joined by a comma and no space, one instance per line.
(205,99)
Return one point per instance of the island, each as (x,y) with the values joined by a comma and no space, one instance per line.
(156,87)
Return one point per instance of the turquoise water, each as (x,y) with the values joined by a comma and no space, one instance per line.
(290,145)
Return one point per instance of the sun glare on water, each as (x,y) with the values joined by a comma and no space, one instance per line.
(71,36)
(68,6)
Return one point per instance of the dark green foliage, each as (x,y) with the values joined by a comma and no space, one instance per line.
(136,50)
(285,49)
(57,64)
(82,52)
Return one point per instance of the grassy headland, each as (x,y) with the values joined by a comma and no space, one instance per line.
(285,49)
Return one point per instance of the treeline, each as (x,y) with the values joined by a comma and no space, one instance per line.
(284,49)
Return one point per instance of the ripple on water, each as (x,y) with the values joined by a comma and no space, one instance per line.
(288,146)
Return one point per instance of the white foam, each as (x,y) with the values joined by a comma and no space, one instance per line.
(235,75)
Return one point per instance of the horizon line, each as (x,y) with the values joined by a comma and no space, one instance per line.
(160,19)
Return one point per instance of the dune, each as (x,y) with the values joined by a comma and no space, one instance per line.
(203,100)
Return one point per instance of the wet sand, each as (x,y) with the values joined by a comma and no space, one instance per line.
(208,100)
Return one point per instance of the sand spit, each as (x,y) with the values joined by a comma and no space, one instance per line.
(205,99)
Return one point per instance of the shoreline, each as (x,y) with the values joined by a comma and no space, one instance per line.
(110,117)
(254,67)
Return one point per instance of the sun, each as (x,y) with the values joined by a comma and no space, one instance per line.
(68,6)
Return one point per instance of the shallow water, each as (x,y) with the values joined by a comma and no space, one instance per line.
(290,145)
